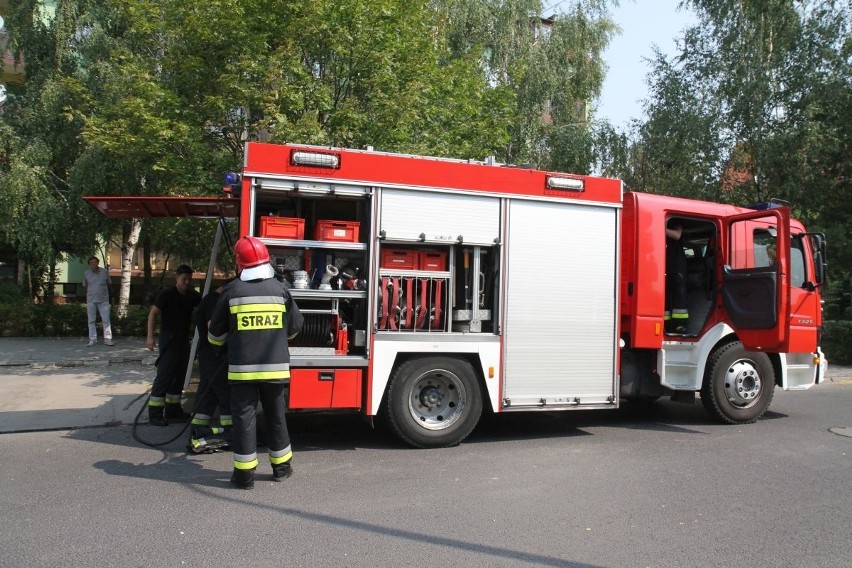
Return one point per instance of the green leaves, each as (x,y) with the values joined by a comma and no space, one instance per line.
(144,97)
(755,106)
(549,71)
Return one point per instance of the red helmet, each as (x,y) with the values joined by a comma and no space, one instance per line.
(249,252)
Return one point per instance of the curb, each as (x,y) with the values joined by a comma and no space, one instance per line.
(66,363)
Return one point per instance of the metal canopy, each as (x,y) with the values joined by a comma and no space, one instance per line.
(142,207)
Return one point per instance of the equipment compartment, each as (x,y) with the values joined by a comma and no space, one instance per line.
(408,302)
(325,388)
(327,272)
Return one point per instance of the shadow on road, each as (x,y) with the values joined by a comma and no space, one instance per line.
(351,431)
(174,469)
(184,471)
(661,416)
(348,432)
(499,554)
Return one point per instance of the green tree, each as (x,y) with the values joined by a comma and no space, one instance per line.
(147,131)
(758,88)
(178,94)
(550,70)
(44,216)
(362,73)
(679,148)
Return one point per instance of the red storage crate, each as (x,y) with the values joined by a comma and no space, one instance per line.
(282,228)
(399,259)
(343,231)
(434,261)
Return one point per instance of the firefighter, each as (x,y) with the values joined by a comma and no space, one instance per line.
(677,312)
(256,316)
(175,306)
(213,387)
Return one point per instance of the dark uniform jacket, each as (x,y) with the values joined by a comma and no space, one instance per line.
(176,314)
(256,318)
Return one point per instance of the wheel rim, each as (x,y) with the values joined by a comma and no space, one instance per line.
(437,399)
(743,384)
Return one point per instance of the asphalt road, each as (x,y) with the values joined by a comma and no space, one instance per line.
(624,488)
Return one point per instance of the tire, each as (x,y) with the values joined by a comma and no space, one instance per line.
(433,402)
(738,385)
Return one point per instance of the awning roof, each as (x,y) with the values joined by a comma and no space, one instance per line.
(137,207)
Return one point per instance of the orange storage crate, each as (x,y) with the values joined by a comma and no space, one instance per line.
(343,231)
(434,261)
(399,259)
(282,228)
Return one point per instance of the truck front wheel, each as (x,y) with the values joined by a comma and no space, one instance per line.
(738,385)
(434,402)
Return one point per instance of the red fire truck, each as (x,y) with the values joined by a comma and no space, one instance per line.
(436,289)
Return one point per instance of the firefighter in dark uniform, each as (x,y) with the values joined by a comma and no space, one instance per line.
(213,388)
(256,316)
(174,305)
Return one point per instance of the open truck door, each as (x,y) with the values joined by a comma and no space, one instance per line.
(140,207)
(756,278)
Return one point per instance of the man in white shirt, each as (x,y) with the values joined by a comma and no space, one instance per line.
(96,281)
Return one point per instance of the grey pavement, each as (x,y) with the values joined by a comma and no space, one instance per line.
(60,384)
(72,352)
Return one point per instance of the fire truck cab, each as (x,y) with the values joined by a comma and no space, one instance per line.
(753,278)
(436,289)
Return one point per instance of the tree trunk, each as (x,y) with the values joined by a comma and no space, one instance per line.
(51,281)
(30,285)
(146,271)
(23,273)
(168,256)
(129,238)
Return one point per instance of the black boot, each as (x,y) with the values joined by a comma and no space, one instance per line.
(243,478)
(155,416)
(207,440)
(281,471)
(175,413)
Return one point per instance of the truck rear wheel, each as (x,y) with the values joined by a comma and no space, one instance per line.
(434,402)
(738,385)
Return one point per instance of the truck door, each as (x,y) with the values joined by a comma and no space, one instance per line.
(755,287)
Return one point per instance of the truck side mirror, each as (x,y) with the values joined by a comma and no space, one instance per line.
(818,246)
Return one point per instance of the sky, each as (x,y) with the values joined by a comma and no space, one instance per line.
(643,23)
